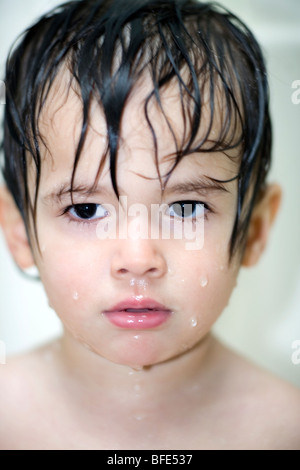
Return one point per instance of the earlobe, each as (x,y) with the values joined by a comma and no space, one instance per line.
(14,230)
(261,222)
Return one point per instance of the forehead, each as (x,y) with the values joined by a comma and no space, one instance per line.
(148,128)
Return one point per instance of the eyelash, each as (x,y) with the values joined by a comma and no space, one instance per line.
(88,221)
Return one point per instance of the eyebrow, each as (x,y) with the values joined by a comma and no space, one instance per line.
(200,185)
(65,191)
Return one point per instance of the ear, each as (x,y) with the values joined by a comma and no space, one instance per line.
(14,230)
(262,218)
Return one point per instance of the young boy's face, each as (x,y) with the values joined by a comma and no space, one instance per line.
(174,294)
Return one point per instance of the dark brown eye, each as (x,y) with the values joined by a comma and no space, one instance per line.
(88,211)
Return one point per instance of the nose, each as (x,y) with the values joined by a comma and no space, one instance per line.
(140,258)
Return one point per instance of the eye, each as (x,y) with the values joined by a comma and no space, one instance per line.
(87,211)
(187,209)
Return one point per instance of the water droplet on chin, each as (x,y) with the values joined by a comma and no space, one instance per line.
(137,368)
(194,322)
(203,282)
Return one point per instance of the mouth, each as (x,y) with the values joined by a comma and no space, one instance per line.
(138,314)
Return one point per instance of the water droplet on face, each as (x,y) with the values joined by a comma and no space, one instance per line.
(194,322)
(137,368)
(139,417)
(137,388)
(141,284)
(171,272)
(203,282)
(43,248)
(75,296)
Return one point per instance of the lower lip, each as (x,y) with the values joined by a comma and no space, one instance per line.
(138,321)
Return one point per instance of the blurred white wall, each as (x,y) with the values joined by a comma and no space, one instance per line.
(263,318)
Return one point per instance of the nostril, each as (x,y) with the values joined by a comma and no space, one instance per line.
(123,271)
(139,261)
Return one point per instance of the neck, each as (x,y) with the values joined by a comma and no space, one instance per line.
(99,378)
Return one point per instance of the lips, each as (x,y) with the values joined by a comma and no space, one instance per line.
(138,314)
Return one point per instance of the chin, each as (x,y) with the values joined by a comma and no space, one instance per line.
(138,351)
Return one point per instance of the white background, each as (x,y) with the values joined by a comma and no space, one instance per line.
(263,317)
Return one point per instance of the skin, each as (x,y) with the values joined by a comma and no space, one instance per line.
(174,386)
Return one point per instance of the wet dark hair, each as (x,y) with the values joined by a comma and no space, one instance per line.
(108,45)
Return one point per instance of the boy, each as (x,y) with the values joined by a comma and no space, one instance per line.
(125,120)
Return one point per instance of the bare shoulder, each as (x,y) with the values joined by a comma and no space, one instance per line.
(23,381)
(282,412)
(265,404)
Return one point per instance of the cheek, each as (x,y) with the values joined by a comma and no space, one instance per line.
(69,279)
(205,283)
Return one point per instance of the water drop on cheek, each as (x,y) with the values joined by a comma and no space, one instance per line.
(203,281)
(139,417)
(75,296)
(193,322)
(171,272)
